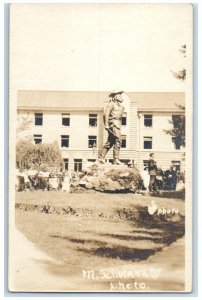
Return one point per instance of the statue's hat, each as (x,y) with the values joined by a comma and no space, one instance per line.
(115,92)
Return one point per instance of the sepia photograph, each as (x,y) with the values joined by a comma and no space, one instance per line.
(100,147)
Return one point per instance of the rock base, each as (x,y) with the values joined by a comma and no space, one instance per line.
(111,178)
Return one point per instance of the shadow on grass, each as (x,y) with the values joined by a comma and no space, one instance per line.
(80,241)
(151,233)
(135,238)
(158,230)
(109,250)
(171,228)
(121,252)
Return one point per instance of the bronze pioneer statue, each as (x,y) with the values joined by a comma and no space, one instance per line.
(112,122)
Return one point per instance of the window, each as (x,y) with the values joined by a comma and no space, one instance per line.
(93,120)
(147,142)
(124,119)
(66,163)
(125,161)
(37,138)
(92,141)
(78,165)
(176,163)
(91,162)
(123,141)
(148,120)
(176,120)
(38,119)
(65,141)
(176,143)
(66,119)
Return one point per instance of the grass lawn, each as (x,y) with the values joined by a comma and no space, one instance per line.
(95,230)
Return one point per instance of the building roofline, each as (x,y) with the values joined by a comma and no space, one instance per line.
(34,108)
(126,92)
(62,109)
(160,110)
(57,100)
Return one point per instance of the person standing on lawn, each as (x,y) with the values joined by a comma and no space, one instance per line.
(152,169)
(171,178)
(112,122)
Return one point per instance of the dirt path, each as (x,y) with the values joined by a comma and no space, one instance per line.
(28,273)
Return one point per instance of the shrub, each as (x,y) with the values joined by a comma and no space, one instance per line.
(39,156)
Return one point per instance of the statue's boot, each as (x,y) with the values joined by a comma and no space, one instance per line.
(116,152)
(101,158)
(117,162)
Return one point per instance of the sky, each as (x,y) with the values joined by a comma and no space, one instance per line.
(99,47)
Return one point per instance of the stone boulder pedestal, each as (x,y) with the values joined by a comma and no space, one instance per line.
(111,178)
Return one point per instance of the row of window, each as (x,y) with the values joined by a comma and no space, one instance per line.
(93,120)
(148,120)
(175,163)
(78,163)
(147,143)
(92,140)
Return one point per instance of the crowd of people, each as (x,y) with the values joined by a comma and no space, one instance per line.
(153,179)
(170,179)
(29,180)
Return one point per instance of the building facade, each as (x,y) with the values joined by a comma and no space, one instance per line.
(75,121)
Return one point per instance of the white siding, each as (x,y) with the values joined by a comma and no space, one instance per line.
(160,140)
(79,130)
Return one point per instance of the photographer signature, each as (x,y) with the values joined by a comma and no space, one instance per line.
(153,208)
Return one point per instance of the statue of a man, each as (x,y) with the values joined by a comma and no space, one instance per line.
(112,122)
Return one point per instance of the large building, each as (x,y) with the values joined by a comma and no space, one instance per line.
(75,120)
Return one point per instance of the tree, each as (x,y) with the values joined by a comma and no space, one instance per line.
(38,156)
(24,124)
(178,122)
(181,74)
(178,128)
